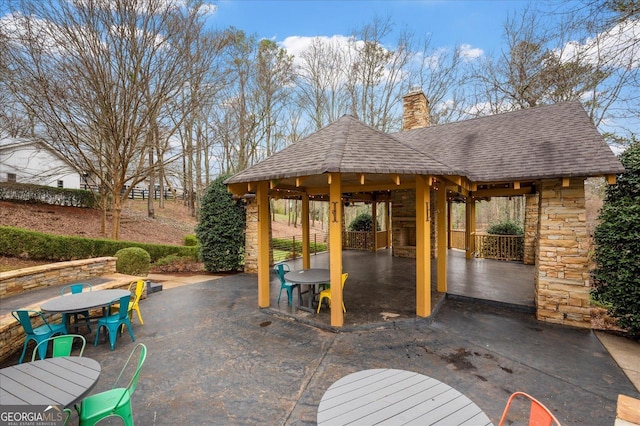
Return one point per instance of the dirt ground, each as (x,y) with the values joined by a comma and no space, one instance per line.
(170,225)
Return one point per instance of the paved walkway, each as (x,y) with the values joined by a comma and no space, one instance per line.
(215,358)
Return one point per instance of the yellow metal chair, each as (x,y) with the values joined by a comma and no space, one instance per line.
(326,294)
(136,288)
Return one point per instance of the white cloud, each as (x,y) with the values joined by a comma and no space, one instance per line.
(618,46)
(469,53)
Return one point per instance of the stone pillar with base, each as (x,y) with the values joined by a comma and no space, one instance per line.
(562,273)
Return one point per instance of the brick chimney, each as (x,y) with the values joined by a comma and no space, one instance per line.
(416,110)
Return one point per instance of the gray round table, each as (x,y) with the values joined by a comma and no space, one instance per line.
(80,302)
(396,397)
(311,278)
(52,381)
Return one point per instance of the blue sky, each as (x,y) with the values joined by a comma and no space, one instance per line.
(449,23)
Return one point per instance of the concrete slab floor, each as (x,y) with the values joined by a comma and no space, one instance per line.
(215,358)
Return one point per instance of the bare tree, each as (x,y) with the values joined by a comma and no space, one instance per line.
(321,75)
(547,62)
(376,81)
(94,75)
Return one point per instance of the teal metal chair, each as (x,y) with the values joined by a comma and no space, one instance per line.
(115,402)
(281,269)
(62,345)
(113,322)
(75,289)
(37,334)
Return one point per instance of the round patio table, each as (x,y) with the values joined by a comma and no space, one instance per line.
(311,278)
(392,396)
(52,381)
(79,302)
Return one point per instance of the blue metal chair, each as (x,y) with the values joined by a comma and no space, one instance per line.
(75,289)
(281,269)
(37,334)
(113,322)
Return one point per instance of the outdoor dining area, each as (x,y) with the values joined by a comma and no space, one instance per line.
(219,360)
(57,373)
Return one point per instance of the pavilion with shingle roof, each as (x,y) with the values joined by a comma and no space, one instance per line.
(542,153)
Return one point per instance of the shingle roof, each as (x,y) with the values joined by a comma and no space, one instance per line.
(543,142)
(348,146)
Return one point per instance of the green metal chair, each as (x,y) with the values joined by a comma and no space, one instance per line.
(62,345)
(115,402)
(75,289)
(113,323)
(281,269)
(38,334)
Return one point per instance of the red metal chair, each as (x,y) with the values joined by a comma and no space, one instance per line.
(539,415)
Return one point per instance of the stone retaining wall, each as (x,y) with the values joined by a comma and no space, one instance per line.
(55,274)
(26,279)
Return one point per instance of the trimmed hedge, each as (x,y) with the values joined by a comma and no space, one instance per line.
(16,242)
(30,193)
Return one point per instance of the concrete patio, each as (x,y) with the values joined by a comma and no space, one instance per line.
(382,288)
(215,358)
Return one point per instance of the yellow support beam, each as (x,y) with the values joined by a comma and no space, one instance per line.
(470,226)
(306,256)
(262,197)
(441,227)
(423,247)
(611,179)
(335,248)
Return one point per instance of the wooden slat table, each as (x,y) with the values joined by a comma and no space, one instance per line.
(52,381)
(396,397)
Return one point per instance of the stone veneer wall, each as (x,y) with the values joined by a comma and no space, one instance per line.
(251,239)
(562,273)
(403,221)
(531,205)
(25,279)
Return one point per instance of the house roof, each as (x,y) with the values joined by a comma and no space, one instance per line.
(544,142)
(348,146)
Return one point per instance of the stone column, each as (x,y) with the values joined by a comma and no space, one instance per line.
(562,273)
(531,205)
(251,239)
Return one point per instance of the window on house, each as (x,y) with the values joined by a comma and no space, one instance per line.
(11,177)
(60,184)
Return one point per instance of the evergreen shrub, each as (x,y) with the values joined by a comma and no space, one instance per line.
(16,242)
(221,229)
(363,222)
(133,261)
(616,276)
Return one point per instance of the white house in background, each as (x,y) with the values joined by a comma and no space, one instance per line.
(29,161)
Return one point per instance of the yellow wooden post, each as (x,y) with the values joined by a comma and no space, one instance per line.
(449,211)
(441,227)
(335,248)
(470,226)
(306,256)
(374,227)
(423,247)
(262,196)
(387,226)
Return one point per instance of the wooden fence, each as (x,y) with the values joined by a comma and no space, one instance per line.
(502,247)
(458,239)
